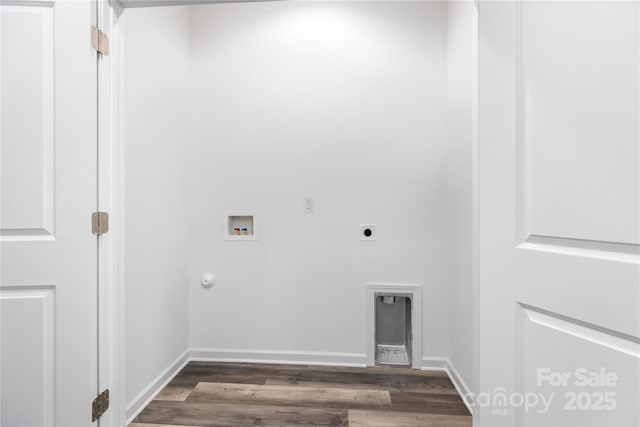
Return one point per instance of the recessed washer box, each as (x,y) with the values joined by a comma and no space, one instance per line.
(241,227)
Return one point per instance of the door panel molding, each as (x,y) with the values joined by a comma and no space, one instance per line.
(28,3)
(599,335)
(609,251)
(28,340)
(28,132)
(577,174)
(585,371)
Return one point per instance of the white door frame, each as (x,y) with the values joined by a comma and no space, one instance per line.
(111,199)
(111,189)
(111,195)
(475,203)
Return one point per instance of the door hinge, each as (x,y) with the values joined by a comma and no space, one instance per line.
(100,41)
(100,222)
(100,405)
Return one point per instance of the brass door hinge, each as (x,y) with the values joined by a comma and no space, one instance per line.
(100,222)
(99,41)
(100,405)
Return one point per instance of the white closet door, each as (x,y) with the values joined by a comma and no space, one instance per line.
(48,333)
(559,188)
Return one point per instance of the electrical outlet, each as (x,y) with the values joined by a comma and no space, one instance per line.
(307,205)
(367,232)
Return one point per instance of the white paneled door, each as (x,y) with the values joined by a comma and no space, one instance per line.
(48,277)
(559,188)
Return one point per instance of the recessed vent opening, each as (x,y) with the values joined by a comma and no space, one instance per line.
(393,332)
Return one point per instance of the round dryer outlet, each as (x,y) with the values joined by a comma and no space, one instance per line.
(367,232)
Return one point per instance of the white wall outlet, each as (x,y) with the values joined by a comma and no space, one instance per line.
(367,232)
(307,204)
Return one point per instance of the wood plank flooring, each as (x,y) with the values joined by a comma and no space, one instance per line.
(208,394)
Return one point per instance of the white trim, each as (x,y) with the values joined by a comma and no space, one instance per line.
(475,208)
(277,356)
(608,251)
(161,3)
(111,199)
(416,318)
(151,391)
(461,386)
(435,363)
(445,364)
(28,3)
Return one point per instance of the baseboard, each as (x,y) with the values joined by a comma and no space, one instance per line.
(278,357)
(463,389)
(445,364)
(435,363)
(151,391)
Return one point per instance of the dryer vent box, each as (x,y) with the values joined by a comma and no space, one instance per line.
(393,329)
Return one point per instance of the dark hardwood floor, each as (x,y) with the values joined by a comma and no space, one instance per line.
(208,394)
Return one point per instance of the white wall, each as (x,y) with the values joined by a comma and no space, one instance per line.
(156,227)
(341,101)
(460,15)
